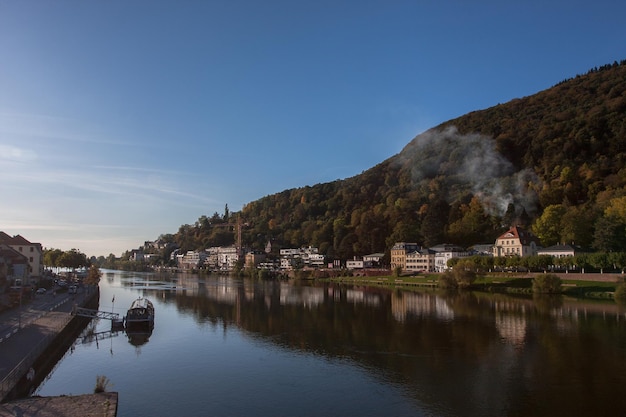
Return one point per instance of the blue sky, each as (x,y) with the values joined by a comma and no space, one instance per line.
(122,120)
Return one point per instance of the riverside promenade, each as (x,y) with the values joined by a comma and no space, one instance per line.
(26,332)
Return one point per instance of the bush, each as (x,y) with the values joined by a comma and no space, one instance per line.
(620,293)
(447,281)
(547,284)
(464,277)
(397,271)
(102,383)
(457,278)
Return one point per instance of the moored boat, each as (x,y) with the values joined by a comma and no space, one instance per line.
(140,314)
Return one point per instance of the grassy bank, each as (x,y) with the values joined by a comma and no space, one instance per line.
(508,283)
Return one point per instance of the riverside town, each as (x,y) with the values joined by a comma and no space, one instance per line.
(50,309)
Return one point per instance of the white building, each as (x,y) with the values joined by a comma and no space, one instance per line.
(445,252)
(227,258)
(559,251)
(316,260)
(192,259)
(301,257)
(355,264)
(515,242)
(372,260)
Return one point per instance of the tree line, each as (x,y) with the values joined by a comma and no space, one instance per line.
(56,258)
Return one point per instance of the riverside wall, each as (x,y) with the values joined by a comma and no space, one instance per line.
(34,348)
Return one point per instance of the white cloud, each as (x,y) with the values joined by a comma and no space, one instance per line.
(16,154)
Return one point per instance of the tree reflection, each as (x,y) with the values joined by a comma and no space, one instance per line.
(463,353)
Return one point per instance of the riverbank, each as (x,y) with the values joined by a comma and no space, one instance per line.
(592,286)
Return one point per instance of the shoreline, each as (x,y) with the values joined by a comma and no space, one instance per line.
(50,334)
(583,286)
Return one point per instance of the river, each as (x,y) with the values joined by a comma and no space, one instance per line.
(234,347)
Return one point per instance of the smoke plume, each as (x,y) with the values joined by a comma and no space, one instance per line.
(471,161)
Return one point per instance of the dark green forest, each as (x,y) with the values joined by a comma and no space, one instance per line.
(552,162)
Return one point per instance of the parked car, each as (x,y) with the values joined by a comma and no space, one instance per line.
(41,291)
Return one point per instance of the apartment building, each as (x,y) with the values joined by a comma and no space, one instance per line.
(420,260)
(399,252)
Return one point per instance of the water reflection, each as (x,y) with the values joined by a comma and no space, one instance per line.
(454,354)
(138,337)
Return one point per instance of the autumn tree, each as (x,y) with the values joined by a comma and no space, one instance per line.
(577,225)
(93,275)
(471,226)
(547,227)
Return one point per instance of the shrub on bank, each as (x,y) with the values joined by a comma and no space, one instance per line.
(459,277)
(464,277)
(620,293)
(447,281)
(547,284)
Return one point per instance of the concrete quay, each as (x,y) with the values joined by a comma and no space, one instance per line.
(30,336)
(101,405)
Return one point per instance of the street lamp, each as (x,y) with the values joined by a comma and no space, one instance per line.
(19,309)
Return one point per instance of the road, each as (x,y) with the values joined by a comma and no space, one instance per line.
(26,331)
(11,321)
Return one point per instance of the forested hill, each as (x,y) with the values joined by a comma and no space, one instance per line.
(553,161)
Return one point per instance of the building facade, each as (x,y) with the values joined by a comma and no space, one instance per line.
(516,242)
(399,252)
(32,251)
(294,258)
(192,260)
(373,260)
(445,252)
(421,260)
(560,251)
(13,266)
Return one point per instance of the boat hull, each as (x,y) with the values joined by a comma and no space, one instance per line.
(140,315)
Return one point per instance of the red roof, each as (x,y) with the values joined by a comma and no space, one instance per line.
(19,240)
(516,232)
(15,240)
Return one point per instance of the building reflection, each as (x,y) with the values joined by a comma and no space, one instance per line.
(407,304)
